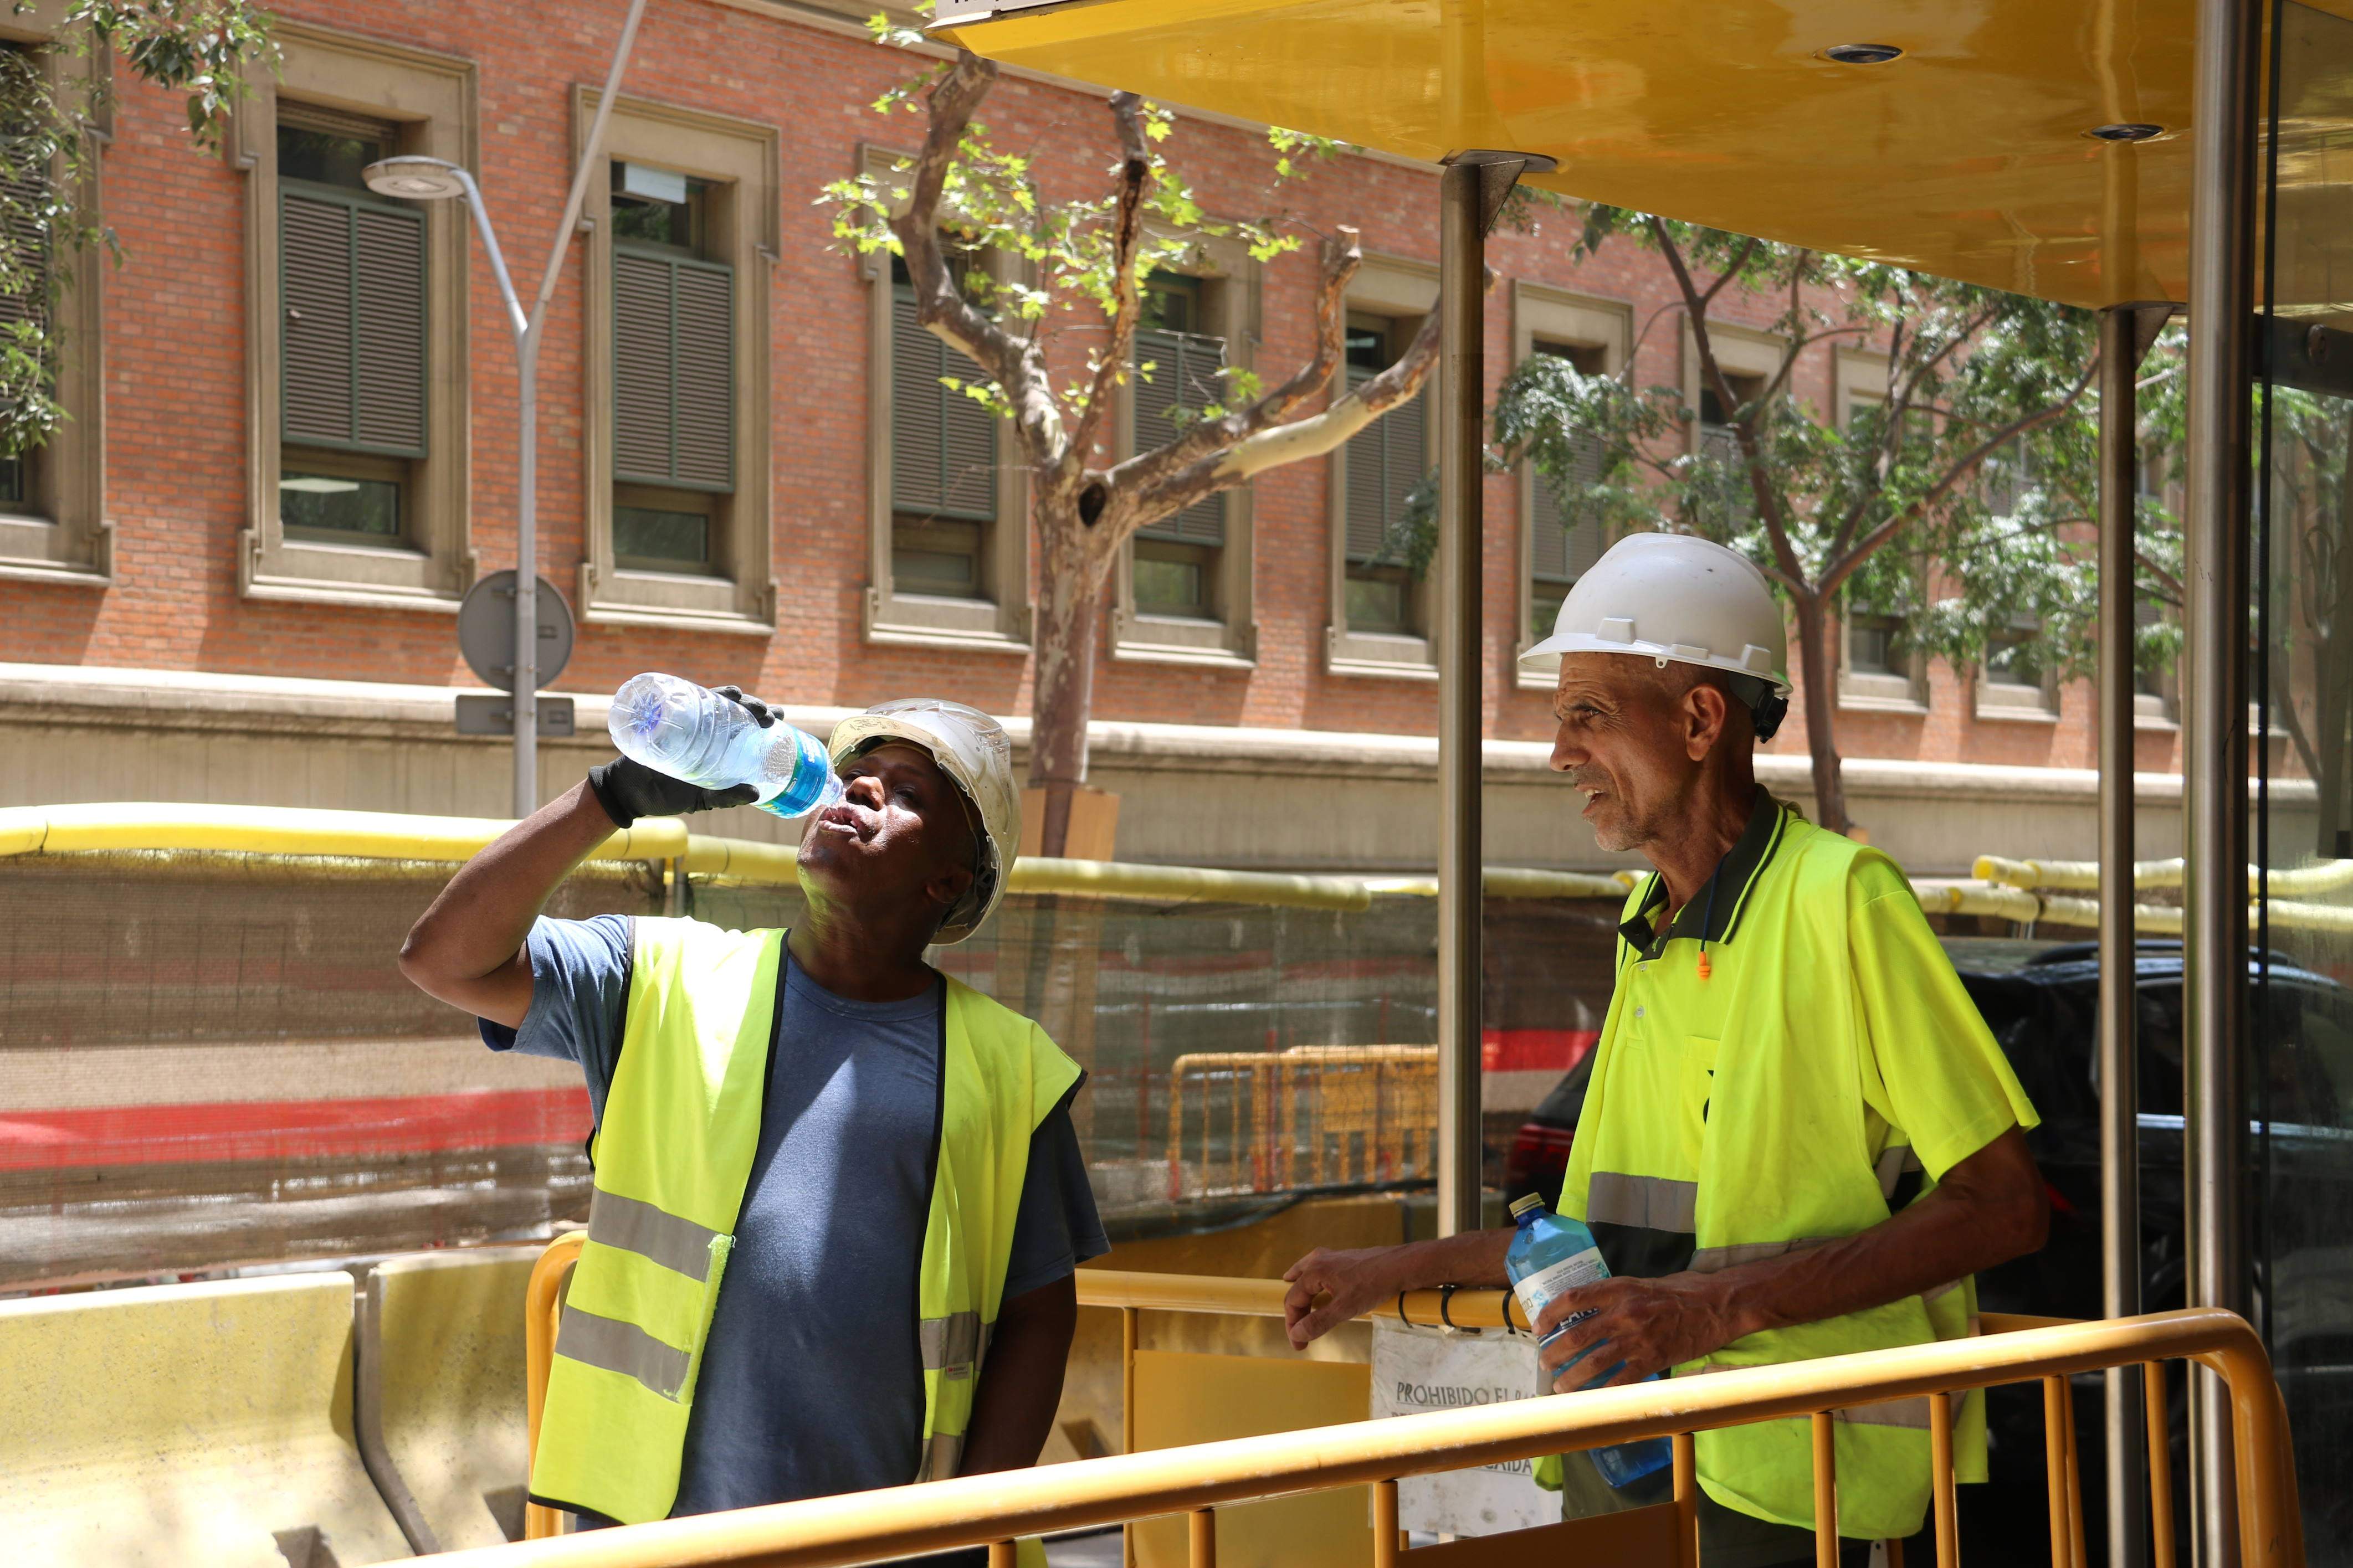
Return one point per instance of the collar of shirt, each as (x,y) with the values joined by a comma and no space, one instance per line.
(1712,916)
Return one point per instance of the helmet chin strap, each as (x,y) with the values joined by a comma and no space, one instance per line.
(1767,716)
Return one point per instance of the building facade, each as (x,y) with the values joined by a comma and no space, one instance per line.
(293,446)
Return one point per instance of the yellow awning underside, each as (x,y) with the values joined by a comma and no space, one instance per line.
(1966,157)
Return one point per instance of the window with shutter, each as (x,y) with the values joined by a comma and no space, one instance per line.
(944,467)
(24,194)
(351,294)
(1185,374)
(1385,460)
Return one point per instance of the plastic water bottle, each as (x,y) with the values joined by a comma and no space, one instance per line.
(691,733)
(1552,1254)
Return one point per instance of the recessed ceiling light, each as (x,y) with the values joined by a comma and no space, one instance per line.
(1862,54)
(2130,132)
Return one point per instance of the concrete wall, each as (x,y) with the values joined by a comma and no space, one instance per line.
(1193,795)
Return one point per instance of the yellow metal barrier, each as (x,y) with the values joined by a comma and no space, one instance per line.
(1369,1136)
(994,1510)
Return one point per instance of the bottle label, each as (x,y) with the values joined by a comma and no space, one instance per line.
(1536,1291)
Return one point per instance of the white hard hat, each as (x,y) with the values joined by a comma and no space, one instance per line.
(1675,597)
(972,749)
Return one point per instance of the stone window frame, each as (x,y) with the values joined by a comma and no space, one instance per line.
(64,534)
(1860,378)
(1395,285)
(1739,351)
(1233,302)
(1541,311)
(997,625)
(743,159)
(431,96)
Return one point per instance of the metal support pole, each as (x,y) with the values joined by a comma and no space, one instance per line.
(2125,332)
(2214,747)
(1470,191)
(1461,392)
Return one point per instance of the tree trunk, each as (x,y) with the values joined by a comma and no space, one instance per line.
(1069,595)
(1818,675)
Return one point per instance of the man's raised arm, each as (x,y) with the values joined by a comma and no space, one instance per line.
(468,948)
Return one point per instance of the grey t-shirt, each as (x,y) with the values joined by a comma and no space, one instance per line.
(812,1383)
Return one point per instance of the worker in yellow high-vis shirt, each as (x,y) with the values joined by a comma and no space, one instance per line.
(1800,1139)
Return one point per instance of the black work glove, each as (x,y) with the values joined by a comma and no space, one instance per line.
(628,790)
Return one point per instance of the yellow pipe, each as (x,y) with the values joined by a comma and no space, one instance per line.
(285,830)
(543,1299)
(975,1510)
(2083,875)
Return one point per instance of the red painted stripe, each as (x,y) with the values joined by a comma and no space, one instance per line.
(1535,1050)
(290,1128)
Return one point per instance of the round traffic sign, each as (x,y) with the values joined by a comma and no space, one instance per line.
(486,631)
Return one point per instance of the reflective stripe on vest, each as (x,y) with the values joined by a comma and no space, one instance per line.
(1785,1161)
(674,1154)
(625,1348)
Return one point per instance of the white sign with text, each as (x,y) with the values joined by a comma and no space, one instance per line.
(1421,1370)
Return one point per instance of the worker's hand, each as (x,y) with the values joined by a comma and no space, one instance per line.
(628,790)
(1648,1324)
(1350,1282)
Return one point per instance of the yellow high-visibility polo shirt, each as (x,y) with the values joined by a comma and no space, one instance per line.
(1859,1062)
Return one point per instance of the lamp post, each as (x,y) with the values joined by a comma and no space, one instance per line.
(421,179)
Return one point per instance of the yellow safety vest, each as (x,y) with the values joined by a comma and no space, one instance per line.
(1784,1164)
(674,1156)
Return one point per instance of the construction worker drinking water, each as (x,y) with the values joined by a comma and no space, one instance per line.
(839,1197)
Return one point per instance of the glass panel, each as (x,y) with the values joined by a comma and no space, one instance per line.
(660,538)
(659,209)
(339,503)
(2300,1069)
(1172,579)
(938,558)
(14,489)
(1376,600)
(326,157)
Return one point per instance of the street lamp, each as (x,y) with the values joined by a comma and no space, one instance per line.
(420,179)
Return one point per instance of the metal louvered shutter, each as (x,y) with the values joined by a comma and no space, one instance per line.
(1567,540)
(388,329)
(641,367)
(30,239)
(1385,460)
(942,443)
(351,283)
(673,371)
(1184,374)
(705,377)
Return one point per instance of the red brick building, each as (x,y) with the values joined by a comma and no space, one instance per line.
(236,577)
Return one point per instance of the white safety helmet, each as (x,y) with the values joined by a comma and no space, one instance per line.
(972,749)
(1679,598)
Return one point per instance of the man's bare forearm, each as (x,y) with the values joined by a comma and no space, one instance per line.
(1987,1209)
(466,948)
(1990,1209)
(1021,1381)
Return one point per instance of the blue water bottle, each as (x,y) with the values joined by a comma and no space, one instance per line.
(1551,1254)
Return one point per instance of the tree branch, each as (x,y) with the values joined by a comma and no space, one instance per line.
(1791,571)
(1127,301)
(1842,566)
(1017,366)
(1277,444)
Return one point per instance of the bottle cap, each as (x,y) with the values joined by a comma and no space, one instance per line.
(1520,1205)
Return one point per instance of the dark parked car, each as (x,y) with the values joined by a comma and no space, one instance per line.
(2043,1007)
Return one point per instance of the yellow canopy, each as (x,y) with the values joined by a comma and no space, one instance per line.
(1966,156)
